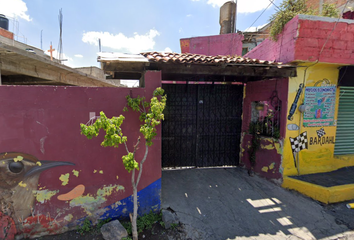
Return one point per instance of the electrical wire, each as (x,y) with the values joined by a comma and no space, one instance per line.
(259,16)
(323,46)
(316,62)
(334,27)
(272,1)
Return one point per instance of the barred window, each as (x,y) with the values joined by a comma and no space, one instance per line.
(265,118)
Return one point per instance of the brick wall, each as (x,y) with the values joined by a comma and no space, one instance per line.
(303,38)
(6,33)
(338,3)
(315,4)
(313,35)
(281,50)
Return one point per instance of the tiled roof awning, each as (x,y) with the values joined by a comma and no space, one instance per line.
(185,65)
(202,59)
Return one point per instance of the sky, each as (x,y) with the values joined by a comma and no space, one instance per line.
(122,25)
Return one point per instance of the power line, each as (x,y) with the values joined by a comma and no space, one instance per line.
(260,15)
(329,35)
(272,1)
(334,27)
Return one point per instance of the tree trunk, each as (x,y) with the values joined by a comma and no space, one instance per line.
(135,212)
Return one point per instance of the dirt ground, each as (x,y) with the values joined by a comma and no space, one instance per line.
(156,233)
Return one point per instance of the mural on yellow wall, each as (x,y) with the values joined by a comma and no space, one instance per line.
(297,144)
(321,138)
(318,106)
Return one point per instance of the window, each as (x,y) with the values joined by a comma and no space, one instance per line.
(265,118)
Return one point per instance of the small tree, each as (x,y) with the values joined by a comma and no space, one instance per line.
(151,114)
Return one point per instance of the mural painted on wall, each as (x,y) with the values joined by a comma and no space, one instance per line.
(297,144)
(302,142)
(321,138)
(320,106)
(19,174)
(20,191)
(50,197)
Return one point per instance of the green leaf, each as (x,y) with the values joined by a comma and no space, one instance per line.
(288,9)
(151,116)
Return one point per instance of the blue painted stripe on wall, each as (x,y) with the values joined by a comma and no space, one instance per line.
(149,199)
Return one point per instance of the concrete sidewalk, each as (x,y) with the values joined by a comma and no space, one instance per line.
(228,204)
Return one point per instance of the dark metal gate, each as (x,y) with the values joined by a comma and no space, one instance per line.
(202,125)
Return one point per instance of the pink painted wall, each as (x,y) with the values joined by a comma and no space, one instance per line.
(303,38)
(269,155)
(281,50)
(224,44)
(44,121)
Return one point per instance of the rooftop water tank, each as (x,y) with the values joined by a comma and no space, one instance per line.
(228,17)
(4,22)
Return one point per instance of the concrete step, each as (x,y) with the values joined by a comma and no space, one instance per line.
(331,194)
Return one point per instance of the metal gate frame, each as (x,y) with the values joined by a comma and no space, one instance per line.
(202,126)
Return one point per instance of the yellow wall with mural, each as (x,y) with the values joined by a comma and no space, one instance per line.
(318,157)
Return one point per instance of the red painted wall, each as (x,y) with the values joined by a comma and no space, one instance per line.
(225,44)
(262,91)
(313,34)
(44,121)
(303,38)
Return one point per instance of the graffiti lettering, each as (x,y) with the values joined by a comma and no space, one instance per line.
(321,140)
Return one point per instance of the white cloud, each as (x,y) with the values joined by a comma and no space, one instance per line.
(243,6)
(167,49)
(14,8)
(189,15)
(78,55)
(136,44)
(130,83)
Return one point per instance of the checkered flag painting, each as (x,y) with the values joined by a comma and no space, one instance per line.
(321,133)
(299,143)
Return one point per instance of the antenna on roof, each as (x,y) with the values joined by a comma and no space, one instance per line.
(99,45)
